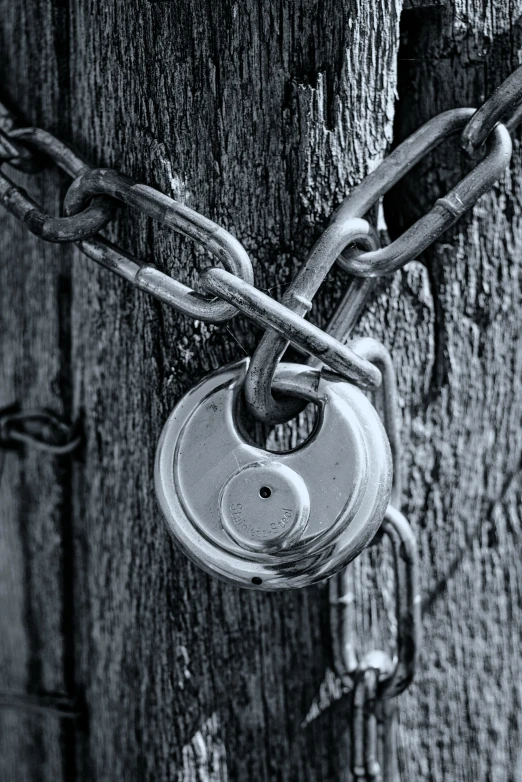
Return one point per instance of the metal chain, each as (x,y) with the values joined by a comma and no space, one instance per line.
(83,219)
(52,229)
(378,676)
(91,200)
(370,264)
(90,204)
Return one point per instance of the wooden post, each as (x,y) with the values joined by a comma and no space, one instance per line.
(262,116)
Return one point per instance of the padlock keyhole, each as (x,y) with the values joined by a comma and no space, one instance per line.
(265,492)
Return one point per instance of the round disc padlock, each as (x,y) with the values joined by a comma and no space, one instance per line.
(272,520)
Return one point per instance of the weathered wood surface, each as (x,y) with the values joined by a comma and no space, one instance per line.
(261,116)
(36,587)
(463,720)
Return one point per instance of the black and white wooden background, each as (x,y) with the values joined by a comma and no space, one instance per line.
(261,115)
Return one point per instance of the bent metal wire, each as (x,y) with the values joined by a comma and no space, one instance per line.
(39,428)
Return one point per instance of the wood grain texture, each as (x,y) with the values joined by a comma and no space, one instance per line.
(462,720)
(261,116)
(35,648)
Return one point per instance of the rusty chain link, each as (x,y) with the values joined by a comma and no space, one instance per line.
(53,229)
(91,201)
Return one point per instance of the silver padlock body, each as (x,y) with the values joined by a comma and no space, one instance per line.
(345,464)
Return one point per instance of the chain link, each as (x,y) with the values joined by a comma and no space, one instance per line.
(339,235)
(378,676)
(379,261)
(446,211)
(53,229)
(393,679)
(506,100)
(91,200)
(16,156)
(12,152)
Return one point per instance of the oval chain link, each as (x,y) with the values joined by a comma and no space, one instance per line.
(173,214)
(90,205)
(94,217)
(506,99)
(339,235)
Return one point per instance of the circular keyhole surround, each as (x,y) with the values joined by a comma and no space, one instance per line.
(264,506)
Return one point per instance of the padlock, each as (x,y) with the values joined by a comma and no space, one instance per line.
(268,520)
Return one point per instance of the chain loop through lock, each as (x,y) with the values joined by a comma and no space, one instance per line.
(379,261)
